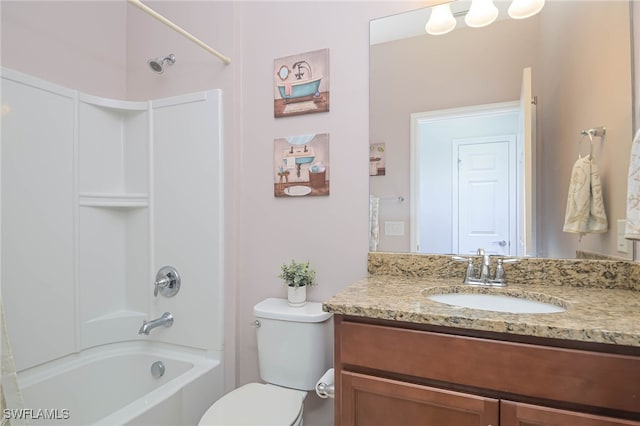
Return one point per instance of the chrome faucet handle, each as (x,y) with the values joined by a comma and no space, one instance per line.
(500,277)
(460,258)
(499,271)
(503,260)
(162,283)
(471,272)
(167,282)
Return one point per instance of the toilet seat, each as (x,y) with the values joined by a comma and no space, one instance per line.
(256,404)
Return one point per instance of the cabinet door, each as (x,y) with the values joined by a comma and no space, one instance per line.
(517,414)
(368,400)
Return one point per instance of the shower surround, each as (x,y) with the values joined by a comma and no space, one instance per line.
(97,195)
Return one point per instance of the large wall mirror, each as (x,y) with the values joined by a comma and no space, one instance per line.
(446,109)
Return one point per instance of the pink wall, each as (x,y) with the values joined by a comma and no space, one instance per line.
(81,45)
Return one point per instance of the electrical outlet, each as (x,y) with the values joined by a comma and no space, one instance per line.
(394,228)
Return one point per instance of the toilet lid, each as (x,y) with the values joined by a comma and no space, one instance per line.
(255,404)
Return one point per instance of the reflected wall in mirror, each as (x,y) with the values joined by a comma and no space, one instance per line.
(579,54)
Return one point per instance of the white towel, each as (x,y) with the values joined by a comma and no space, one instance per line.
(585,211)
(374,226)
(632,228)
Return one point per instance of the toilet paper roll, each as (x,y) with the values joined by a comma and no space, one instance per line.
(325,387)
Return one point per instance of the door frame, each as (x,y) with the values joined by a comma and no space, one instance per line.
(420,118)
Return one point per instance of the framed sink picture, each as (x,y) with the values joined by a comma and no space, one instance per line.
(301,84)
(301,165)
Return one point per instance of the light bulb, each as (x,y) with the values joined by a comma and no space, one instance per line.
(481,13)
(521,9)
(441,20)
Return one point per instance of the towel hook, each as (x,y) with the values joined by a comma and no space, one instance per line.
(585,133)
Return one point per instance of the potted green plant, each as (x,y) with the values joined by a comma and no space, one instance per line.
(297,276)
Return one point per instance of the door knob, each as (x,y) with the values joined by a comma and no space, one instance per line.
(502,243)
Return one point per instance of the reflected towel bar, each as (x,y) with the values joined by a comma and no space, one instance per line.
(399,199)
(595,131)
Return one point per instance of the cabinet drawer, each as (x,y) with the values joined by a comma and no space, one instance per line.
(517,414)
(371,401)
(568,375)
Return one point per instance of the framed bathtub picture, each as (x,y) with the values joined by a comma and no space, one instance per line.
(301,84)
(301,166)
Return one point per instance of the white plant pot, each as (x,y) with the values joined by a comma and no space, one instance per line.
(297,296)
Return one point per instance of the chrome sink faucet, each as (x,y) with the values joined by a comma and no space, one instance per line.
(486,265)
(485,278)
(165,320)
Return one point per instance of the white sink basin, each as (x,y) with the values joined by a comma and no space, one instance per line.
(496,303)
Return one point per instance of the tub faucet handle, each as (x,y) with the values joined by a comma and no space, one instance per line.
(167,282)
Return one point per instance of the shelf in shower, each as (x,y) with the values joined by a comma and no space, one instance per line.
(119,315)
(121,200)
(114,104)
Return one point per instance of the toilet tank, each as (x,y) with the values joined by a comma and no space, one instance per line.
(295,345)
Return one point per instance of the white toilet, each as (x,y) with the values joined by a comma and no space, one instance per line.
(292,356)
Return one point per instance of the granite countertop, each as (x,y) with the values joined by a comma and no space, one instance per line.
(601,315)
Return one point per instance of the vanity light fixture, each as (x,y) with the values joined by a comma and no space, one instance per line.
(521,9)
(480,14)
(441,20)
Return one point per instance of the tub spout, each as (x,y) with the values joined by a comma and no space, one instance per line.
(165,320)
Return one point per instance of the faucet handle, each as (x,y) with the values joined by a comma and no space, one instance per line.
(167,282)
(471,272)
(502,260)
(499,271)
(500,276)
(161,283)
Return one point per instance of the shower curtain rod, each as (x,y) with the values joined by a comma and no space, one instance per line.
(176,28)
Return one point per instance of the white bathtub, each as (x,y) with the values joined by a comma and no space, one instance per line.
(113,385)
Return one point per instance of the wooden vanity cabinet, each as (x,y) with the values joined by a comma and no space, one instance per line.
(399,375)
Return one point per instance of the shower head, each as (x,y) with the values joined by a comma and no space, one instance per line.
(157,64)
